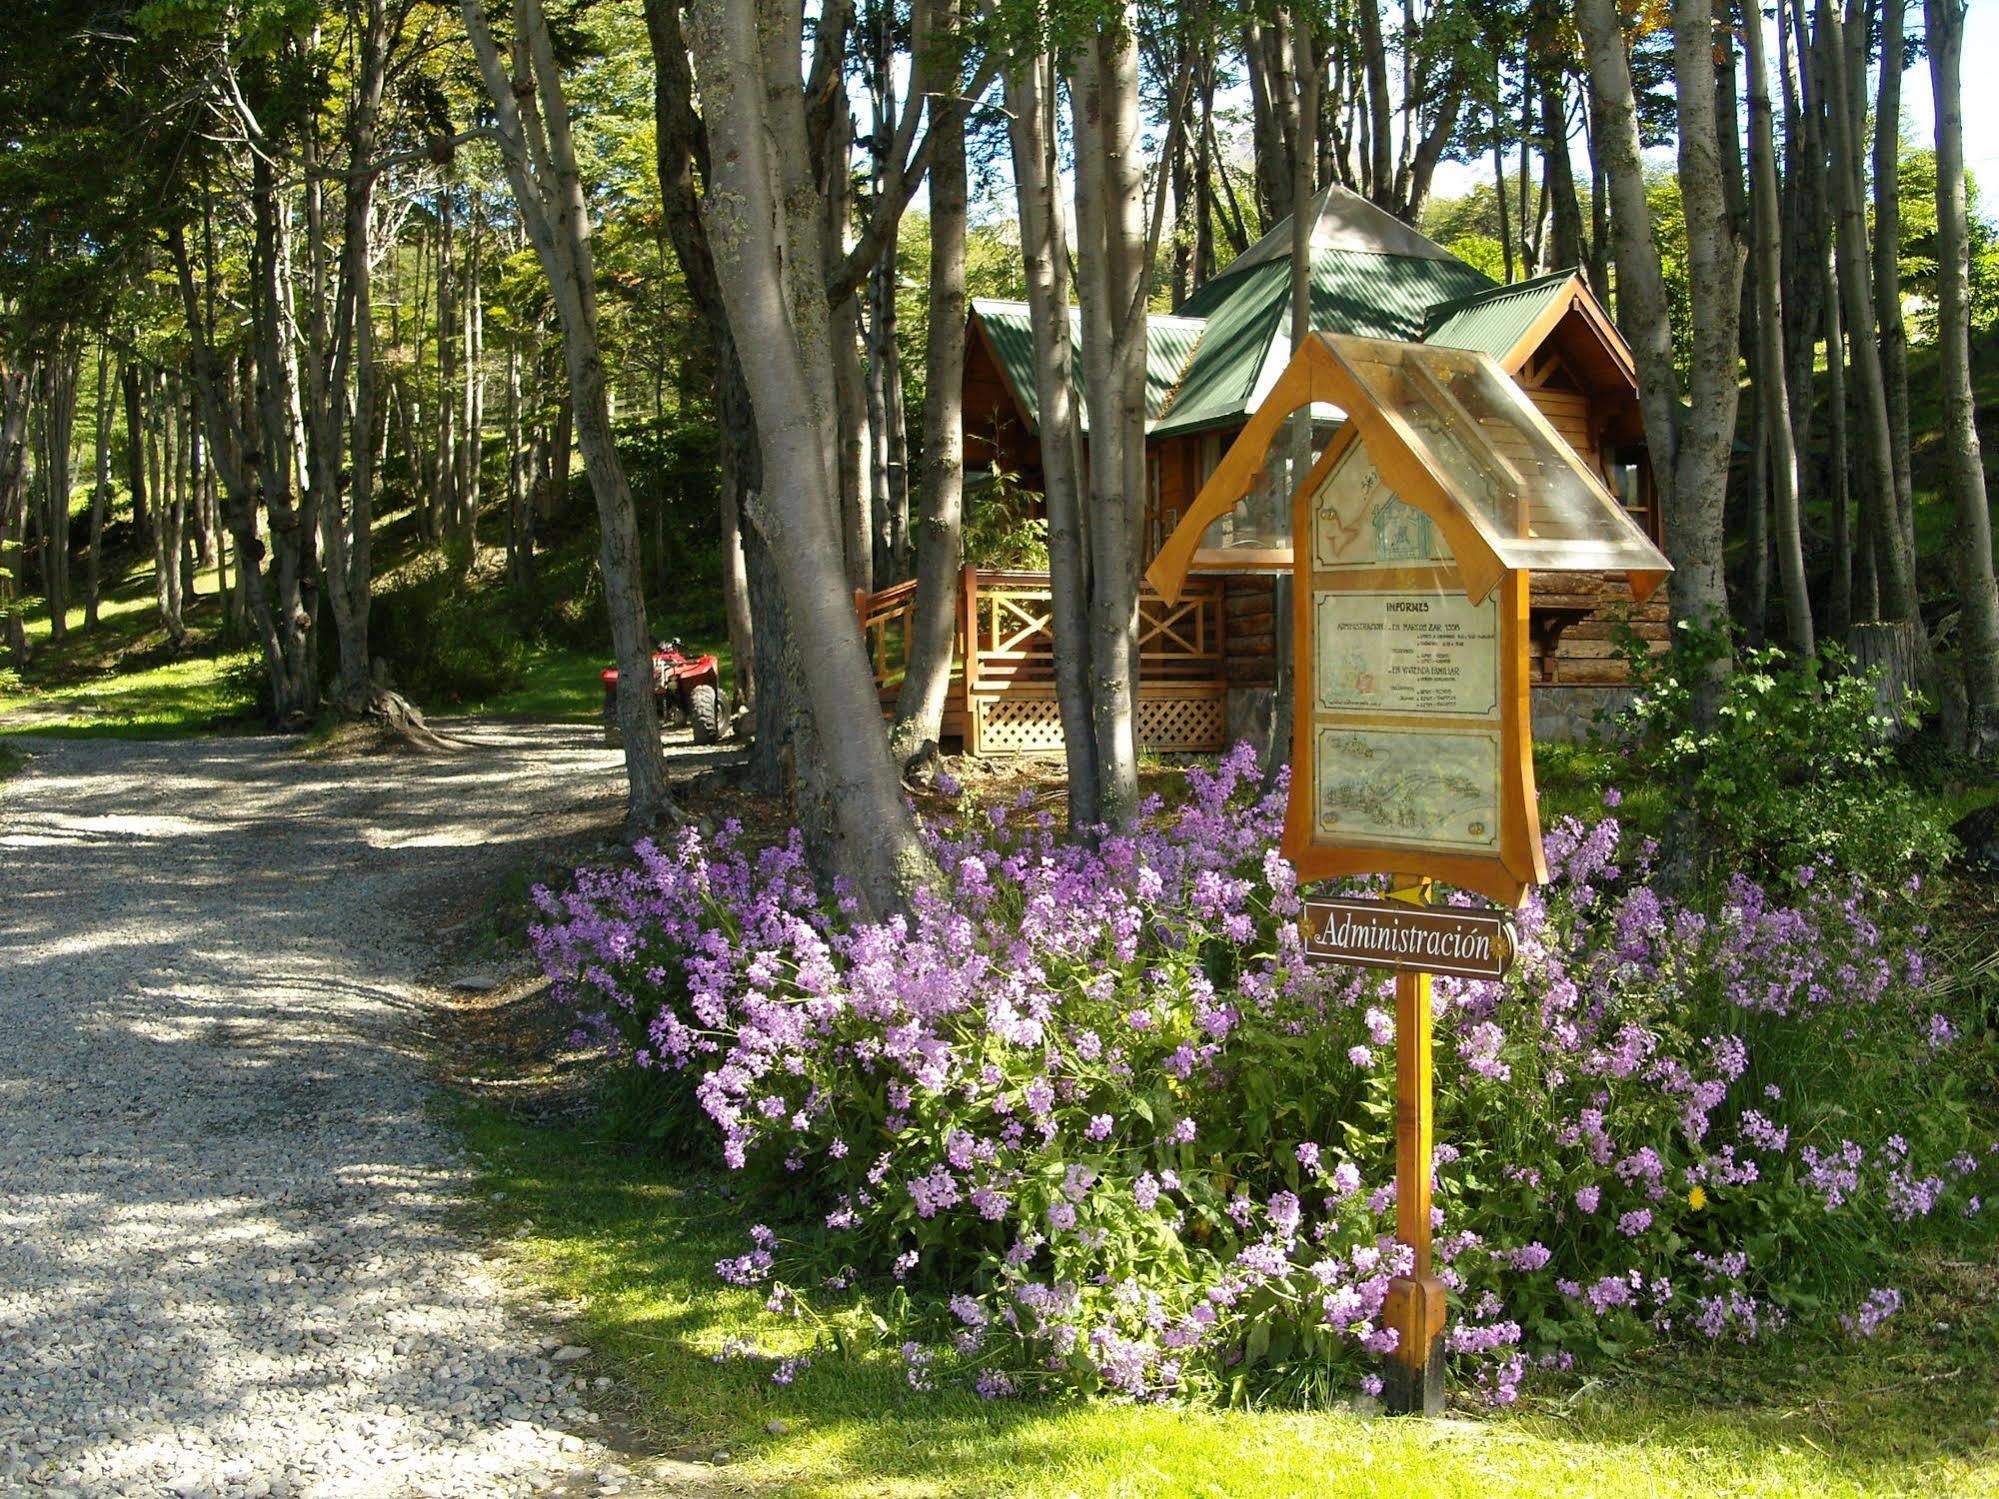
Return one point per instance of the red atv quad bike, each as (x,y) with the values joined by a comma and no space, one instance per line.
(685,689)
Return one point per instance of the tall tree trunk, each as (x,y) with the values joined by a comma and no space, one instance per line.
(1894,558)
(1971,550)
(532,114)
(520,507)
(1772,378)
(1110,278)
(1694,510)
(1893,337)
(1032,106)
(15,386)
(759,630)
(472,417)
(54,433)
(442,507)
(768,236)
(1641,290)
(100,489)
(926,683)
(168,517)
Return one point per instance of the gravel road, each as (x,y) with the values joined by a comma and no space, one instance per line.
(226,1265)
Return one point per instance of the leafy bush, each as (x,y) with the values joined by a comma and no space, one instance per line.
(999,530)
(1798,770)
(444,641)
(1086,1120)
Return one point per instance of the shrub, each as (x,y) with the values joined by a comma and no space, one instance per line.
(1798,769)
(444,641)
(1086,1120)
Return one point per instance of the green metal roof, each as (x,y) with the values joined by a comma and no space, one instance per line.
(1371,275)
(1494,320)
(1169,341)
(1353,291)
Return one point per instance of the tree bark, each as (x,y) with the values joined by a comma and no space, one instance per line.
(15,386)
(1971,550)
(1044,241)
(926,683)
(767,230)
(532,112)
(1110,277)
(1772,379)
(1892,335)
(100,489)
(1641,291)
(54,432)
(1894,559)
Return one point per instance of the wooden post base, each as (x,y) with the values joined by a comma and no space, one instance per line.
(1412,1378)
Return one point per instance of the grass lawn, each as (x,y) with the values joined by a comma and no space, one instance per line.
(123,679)
(634,1240)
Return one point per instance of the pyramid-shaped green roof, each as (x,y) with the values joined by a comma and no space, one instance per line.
(1372,276)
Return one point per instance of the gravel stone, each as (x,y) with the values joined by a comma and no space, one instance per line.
(224,1265)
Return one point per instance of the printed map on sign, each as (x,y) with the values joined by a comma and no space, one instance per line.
(1438,787)
(1358,522)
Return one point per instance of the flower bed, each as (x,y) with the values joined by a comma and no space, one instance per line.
(1085,1119)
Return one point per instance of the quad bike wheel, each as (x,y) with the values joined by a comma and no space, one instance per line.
(704,710)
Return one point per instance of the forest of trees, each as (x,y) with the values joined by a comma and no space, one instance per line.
(274,270)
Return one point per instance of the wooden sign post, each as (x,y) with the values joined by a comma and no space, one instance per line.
(1412,544)
(1414,1378)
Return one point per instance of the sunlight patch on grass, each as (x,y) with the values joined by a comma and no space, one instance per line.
(635,1241)
(176,698)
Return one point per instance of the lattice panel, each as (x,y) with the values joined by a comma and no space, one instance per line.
(1033,725)
(1180,723)
(1016,726)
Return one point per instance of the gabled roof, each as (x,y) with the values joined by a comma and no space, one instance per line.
(1494,320)
(1346,222)
(1368,293)
(1169,341)
(1372,277)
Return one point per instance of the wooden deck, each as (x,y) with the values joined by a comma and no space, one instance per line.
(1002,696)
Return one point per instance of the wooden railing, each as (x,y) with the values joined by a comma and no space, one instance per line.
(1003,652)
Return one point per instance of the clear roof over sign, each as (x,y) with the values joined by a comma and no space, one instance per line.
(1452,435)
(1525,490)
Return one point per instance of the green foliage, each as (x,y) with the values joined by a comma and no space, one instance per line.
(444,642)
(1797,769)
(1000,530)
(1917,184)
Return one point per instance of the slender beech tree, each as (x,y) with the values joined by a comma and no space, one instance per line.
(532,127)
(766,229)
(1690,458)
(15,386)
(100,488)
(1892,336)
(1971,549)
(1111,282)
(926,679)
(1893,553)
(1772,389)
(1034,131)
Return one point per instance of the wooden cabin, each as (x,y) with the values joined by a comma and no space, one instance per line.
(1208,663)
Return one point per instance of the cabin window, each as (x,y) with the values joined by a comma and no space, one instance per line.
(1629,477)
(1260,523)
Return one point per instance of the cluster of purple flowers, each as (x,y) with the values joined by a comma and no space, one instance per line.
(1075,1102)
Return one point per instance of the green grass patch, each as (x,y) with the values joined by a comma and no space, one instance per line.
(122,678)
(635,1239)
